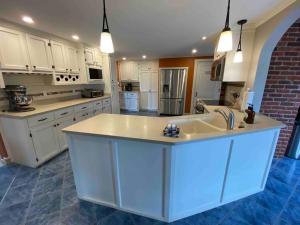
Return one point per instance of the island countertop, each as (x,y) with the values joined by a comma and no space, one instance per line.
(150,129)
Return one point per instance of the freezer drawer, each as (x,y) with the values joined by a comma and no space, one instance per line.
(171,106)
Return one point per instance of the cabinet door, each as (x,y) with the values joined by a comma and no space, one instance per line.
(59,57)
(39,53)
(73,61)
(145,81)
(123,70)
(134,71)
(97,57)
(61,124)
(106,109)
(153,101)
(13,54)
(89,56)
(145,100)
(45,141)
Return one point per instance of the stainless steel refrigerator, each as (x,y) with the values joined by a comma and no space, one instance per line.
(172,90)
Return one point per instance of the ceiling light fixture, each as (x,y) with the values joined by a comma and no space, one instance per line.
(124,58)
(144,56)
(106,44)
(75,37)
(225,41)
(194,51)
(238,56)
(204,38)
(27,19)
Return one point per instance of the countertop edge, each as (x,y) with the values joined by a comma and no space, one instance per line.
(3,114)
(214,136)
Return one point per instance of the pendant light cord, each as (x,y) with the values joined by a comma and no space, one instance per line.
(240,41)
(227,17)
(105,27)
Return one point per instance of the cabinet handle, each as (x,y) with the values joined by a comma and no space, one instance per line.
(67,69)
(57,124)
(27,66)
(34,67)
(43,119)
(71,70)
(74,119)
(65,113)
(53,67)
(84,107)
(54,125)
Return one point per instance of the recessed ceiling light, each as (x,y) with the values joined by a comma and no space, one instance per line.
(124,58)
(144,56)
(27,19)
(194,51)
(75,37)
(204,38)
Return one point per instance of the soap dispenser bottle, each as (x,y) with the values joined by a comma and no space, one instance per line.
(250,115)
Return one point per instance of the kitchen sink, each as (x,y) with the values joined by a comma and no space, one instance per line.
(195,127)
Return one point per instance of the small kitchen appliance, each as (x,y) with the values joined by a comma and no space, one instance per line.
(91,93)
(18,100)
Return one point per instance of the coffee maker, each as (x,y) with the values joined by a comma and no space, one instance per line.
(18,100)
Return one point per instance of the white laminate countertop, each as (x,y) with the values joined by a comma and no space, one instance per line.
(44,107)
(149,129)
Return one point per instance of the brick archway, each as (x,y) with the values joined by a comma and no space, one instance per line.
(281,98)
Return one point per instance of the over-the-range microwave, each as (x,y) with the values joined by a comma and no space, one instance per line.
(94,73)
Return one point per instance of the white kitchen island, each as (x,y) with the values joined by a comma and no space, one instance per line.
(126,163)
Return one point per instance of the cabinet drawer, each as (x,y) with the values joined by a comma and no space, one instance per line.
(97,104)
(132,95)
(106,102)
(83,115)
(64,112)
(83,107)
(40,119)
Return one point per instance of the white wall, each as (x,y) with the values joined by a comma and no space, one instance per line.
(266,38)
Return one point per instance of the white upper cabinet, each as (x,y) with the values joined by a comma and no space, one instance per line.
(39,53)
(93,56)
(13,54)
(148,81)
(73,59)
(89,56)
(148,66)
(59,57)
(129,71)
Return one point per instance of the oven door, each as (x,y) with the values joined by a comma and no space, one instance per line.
(95,74)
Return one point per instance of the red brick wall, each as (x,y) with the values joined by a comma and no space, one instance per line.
(282,92)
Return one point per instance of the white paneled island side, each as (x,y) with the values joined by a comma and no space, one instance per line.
(125,162)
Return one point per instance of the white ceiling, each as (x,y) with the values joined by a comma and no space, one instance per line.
(157,28)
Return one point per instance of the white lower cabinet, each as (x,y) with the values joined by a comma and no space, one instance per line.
(149,101)
(45,141)
(61,124)
(40,137)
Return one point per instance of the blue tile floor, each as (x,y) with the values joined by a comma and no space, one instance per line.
(47,196)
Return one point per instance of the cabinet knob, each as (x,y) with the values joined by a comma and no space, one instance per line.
(27,66)
(67,69)
(34,67)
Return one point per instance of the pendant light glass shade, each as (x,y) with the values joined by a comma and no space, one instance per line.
(225,41)
(106,43)
(238,57)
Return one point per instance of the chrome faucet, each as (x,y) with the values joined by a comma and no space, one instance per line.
(228,118)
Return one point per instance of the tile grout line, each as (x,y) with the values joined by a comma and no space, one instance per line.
(286,203)
(9,186)
(31,198)
(62,188)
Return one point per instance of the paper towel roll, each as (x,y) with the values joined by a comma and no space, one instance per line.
(248,97)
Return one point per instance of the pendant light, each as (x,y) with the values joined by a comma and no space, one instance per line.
(106,44)
(225,41)
(238,57)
